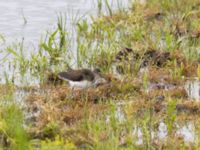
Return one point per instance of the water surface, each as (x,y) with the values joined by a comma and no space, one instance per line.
(29,19)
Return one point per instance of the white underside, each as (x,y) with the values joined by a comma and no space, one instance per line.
(80,84)
(85,83)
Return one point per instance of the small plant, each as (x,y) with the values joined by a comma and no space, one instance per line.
(145,81)
(100,3)
(171,115)
(57,144)
(51,130)
(55,43)
(19,58)
(109,7)
(198,71)
(12,128)
(177,71)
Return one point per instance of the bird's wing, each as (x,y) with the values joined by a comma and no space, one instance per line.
(71,75)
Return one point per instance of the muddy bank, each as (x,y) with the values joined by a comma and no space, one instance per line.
(151,88)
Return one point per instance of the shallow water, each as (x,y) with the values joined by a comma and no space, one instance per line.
(192,88)
(29,19)
(185,130)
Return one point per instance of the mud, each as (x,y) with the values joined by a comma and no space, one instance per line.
(159,16)
(128,59)
(196,33)
(52,78)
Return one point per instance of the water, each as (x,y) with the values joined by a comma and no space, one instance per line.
(30,19)
(192,88)
(185,130)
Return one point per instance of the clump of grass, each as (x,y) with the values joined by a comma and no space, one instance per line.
(19,58)
(58,143)
(100,3)
(12,132)
(171,115)
(198,71)
(55,43)
(15,130)
(108,7)
(177,71)
(51,130)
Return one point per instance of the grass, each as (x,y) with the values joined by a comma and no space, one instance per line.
(55,49)
(91,118)
(13,134)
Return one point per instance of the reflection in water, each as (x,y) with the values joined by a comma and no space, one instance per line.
(162,130)
(187,131)
(193,88)
(160,86)
(120,115)
(137,132)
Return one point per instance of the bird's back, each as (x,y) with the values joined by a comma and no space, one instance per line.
(77,75)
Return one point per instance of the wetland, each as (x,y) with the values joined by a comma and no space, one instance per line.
(148,52)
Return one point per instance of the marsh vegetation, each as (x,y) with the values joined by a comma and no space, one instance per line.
(149,55)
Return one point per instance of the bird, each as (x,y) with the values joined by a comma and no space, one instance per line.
(82,78)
